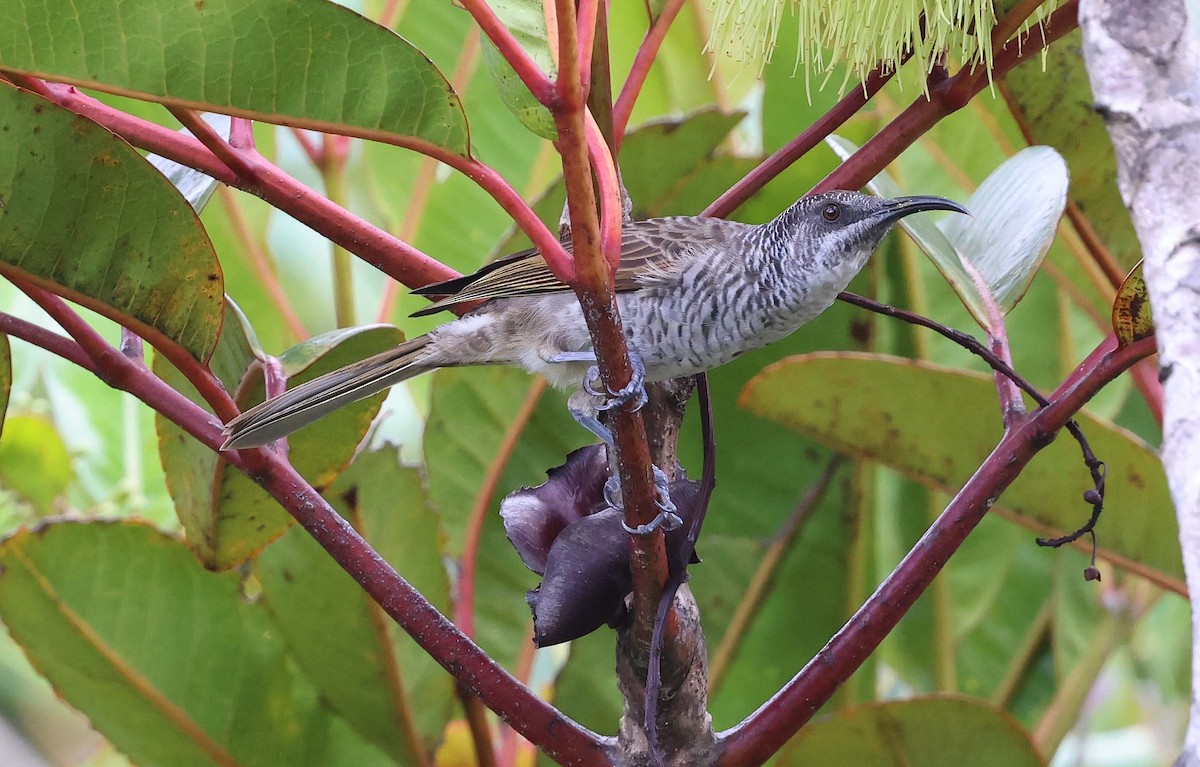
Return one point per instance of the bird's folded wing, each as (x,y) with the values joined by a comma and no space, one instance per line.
(650,253)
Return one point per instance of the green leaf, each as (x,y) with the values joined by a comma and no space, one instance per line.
(305,63)
(380,681)
(34,462)
(1014,217)
(925,422)
(991,256)
(227,517)
(665,159)
(170,662)
(526,20)
(931,732)
(585,688)
(678,82)
(999,584)
(75,204)
(472,414)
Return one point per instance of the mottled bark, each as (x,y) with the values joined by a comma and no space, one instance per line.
(1144,62)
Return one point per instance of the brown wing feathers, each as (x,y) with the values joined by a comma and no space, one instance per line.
(648,251)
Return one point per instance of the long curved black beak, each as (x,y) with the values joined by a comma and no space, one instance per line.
(898,208)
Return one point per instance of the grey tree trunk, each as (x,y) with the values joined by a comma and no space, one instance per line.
(1143,58)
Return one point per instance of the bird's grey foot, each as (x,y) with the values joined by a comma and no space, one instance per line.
(667,519)
(634,391)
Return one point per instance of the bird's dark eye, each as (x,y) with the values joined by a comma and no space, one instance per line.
(832,212)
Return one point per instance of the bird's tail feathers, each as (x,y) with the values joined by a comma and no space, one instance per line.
(309,401)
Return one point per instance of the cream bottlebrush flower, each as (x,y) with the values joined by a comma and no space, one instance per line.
(860,34)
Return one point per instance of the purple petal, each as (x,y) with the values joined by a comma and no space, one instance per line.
(535,516)
(586,580)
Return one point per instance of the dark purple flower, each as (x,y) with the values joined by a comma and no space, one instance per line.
(565,532)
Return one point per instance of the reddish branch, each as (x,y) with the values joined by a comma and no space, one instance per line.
(522,63)
(595,290)
(762,733)
(51,342)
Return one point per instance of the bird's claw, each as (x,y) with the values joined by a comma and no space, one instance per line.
(667,517)
(634,391)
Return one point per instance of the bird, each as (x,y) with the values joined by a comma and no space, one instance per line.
(693,293)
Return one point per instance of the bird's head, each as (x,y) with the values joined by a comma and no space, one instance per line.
(842,228)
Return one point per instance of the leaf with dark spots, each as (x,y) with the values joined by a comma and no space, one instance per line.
(1131,318)
(534,516)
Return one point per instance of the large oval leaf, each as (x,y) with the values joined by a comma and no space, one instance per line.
(387,687)
(82,213)
(1014,217)
(171,663)
(937,426)
(930,732)
(307,63)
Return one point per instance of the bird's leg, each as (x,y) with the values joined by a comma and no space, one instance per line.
(667,519)
(584,413)
(634,391)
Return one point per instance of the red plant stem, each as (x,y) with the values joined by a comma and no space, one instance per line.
(793,150)
(945,97)
(587,14)
(595,291)
(609,190)
(241,133)
(547,243)
(207,384)
(315,152)
(395,258)
(522,63)
(1013,20)
(762,733)
(51,342)
(642,62)
(536,720)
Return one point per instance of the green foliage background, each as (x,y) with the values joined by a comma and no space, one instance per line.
(175,664)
